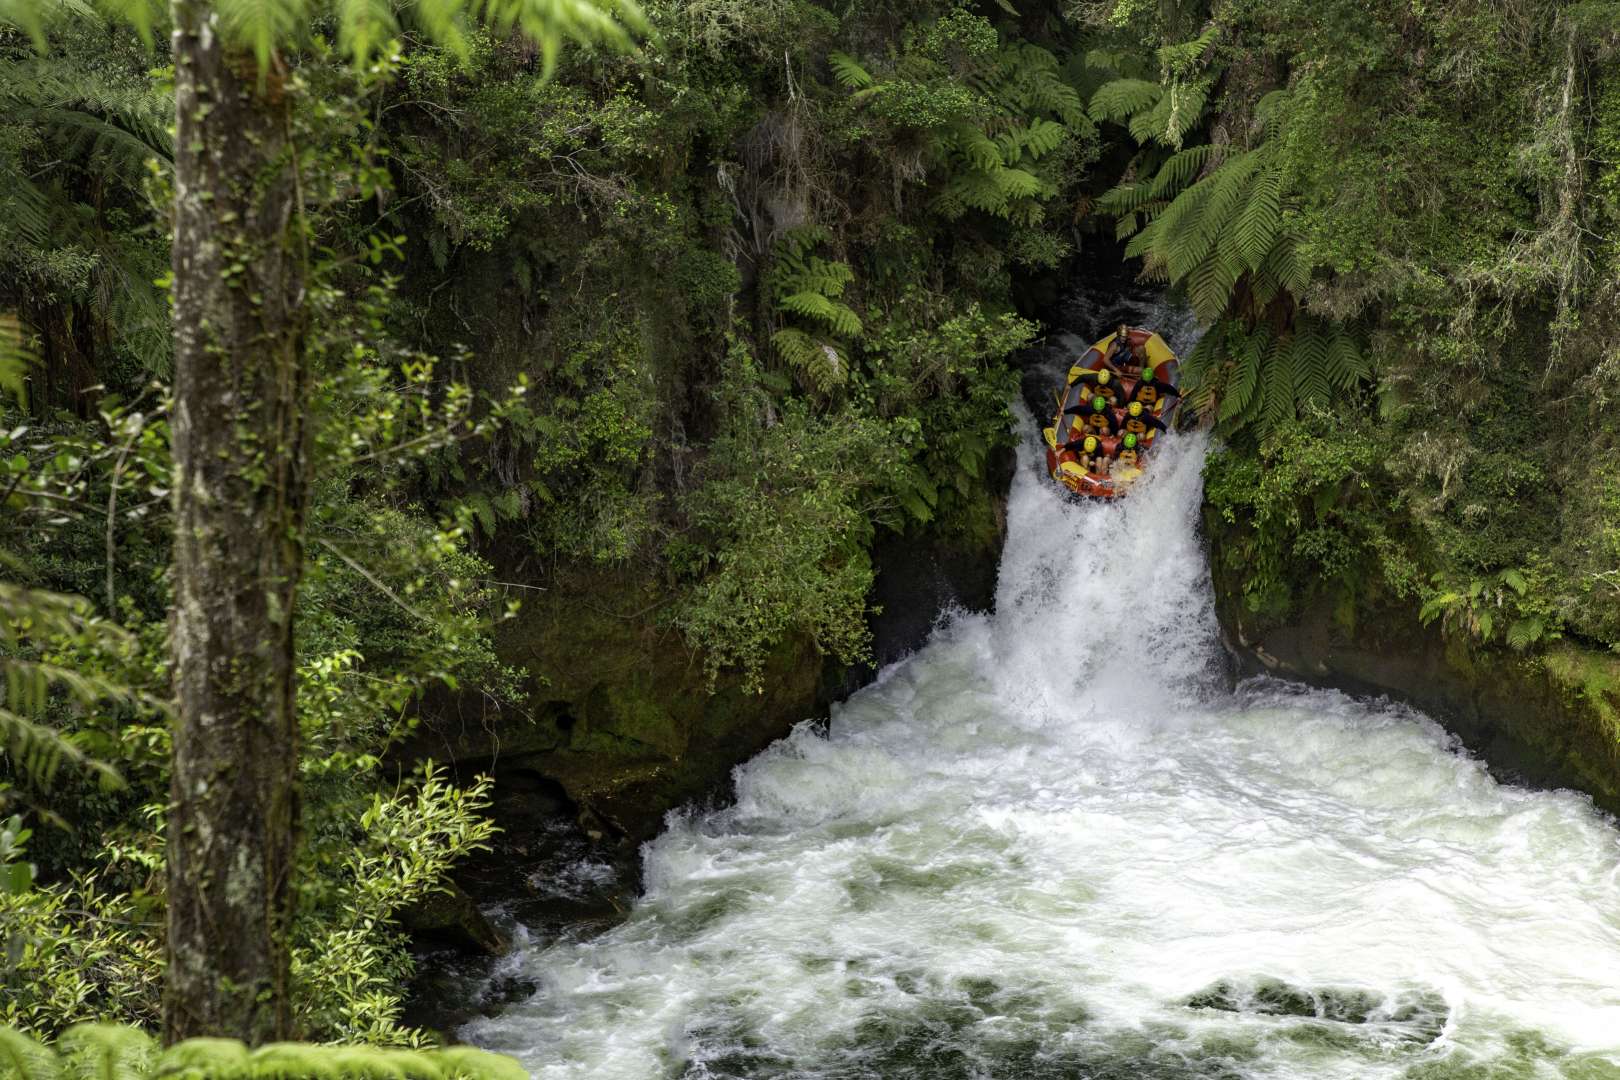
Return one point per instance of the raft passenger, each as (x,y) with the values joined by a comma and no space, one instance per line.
(1130,452)
(1150,389)
(1099,418)
(1101,381)
(1139,420)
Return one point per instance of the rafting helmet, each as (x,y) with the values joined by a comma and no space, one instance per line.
(1130,441)
(1135,408)
(1098,404)
(1090,445)
(1102,377)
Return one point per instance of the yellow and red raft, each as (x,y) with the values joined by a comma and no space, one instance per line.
(1064,465)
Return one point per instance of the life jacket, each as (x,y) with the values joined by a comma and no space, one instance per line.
(1148,389)
(1139,419)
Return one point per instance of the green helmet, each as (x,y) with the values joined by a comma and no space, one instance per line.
(1098,404)
(1130,442)
(1147,373)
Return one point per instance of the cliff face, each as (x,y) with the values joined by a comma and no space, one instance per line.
(1548,719)
(621,725)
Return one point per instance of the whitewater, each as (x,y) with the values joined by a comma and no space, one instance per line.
(1057,842)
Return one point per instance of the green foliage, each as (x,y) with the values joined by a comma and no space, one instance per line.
(1502,607)
(1257,383)
(31,619)
(784,513)
(111,1052)
(805,285)
(1311,510)
(85,128)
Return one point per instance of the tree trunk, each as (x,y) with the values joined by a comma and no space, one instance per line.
(240,492)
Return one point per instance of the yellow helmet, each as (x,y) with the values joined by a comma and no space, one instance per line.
(1090,445)
(1102,377)
(1135,408)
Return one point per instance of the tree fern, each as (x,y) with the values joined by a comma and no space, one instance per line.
(1256,230)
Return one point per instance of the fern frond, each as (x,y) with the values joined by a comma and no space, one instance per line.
(849,73)
(550,23)
(1179,169)
(466,1063)
(976,147)
(814,305)
(1121,99)
(1185,109)
(1257,228)
(1195,234)
(1346,365)
(1247,357)
(1268,111)
(1309,348)
(1043,136)
(25,1059)
(262,26)
(1181,57)
(364,26)
(1523,633)
(107,1052)
(823,363)
(1126,198)
(1277,387)
(1018,184)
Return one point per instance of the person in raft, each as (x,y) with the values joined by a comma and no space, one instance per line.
(1139,419)
(1125,355)
(1100,382)
(1121,355)
(1089,450)
(1130,452)
(1150,389)
(1099,418)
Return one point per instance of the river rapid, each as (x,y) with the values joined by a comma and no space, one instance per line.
(1055,842)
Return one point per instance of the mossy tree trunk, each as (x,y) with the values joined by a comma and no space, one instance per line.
(240,492)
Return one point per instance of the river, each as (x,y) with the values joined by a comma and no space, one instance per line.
(1056,842)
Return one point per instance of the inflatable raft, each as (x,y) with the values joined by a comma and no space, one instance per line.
(1077,415)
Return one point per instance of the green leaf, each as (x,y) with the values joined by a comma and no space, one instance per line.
(849,73)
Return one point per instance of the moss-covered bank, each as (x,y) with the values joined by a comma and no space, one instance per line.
(621,723)
(1549,719)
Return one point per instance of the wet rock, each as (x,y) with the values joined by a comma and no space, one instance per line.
(451,919)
